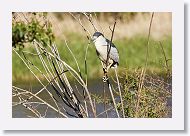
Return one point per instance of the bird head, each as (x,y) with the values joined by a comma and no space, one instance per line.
(96,35)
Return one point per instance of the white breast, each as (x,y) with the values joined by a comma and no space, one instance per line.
(101,47)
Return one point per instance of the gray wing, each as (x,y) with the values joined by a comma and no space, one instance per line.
(114,54)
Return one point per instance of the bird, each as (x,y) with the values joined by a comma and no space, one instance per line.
(103,48)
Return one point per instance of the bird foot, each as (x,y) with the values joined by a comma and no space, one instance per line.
(105,78)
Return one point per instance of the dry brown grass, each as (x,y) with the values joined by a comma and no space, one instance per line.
(161,26)
(141,98)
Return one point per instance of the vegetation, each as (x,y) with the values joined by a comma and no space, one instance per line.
(132,55)
(54,63)
(23,34)
(106,16)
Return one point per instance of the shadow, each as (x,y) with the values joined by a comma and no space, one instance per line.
(186,61)
(151,132)
(132,131)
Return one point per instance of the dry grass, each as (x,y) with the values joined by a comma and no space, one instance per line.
(140,94)
(161,26)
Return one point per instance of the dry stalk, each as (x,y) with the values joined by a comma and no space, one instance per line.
(36,78)
(104,95)
(34,95)
(143,72)
(113,99)
(80,80)
(120,94)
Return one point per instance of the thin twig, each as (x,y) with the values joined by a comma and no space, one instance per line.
(109,44)
(104,94)
(141,82)
(14,87)
(120,95)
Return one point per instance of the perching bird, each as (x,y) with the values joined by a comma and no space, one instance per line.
(102,48)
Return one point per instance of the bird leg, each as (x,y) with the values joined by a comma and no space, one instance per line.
(105,77)
(104,67)
(108,67)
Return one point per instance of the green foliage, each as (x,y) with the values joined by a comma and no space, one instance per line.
(153,100)
(131,52)
(152,97)
(23,33)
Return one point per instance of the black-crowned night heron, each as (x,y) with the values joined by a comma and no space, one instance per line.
(102,48)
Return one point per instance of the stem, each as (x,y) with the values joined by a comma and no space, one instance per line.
(104,94)
(122,106)
(111,92)
(140,86)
